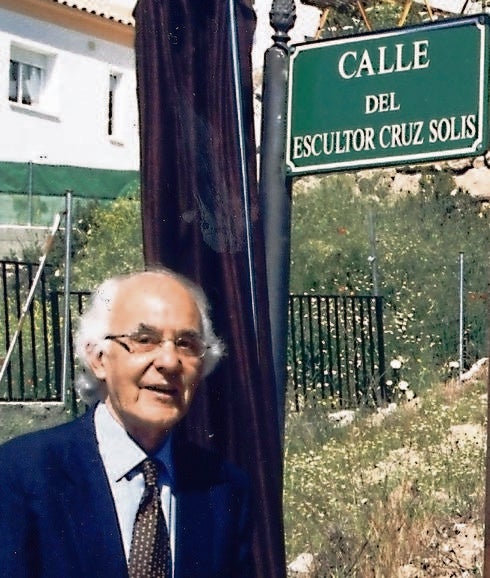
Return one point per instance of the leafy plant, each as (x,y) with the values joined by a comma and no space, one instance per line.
(110,243)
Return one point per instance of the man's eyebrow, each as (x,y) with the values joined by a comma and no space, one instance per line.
(147,328)
(143,327)
(189,333)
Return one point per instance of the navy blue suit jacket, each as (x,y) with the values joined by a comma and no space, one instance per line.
(58,520)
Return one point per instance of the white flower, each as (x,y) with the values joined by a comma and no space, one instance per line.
(409,394)
(395,364)
(403,385)
(453,364)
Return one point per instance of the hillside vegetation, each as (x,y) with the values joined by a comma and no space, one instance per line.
(352,235)
(394,494)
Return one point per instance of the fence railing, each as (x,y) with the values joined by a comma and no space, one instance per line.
(30,373)
(35,369)
(336,350)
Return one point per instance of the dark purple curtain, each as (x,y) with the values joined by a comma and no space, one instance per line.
(194,222)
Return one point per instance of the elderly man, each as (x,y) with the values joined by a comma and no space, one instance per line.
(115,493)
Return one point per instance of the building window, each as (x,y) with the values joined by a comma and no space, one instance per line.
(113,104)
(32,79)
(26,83)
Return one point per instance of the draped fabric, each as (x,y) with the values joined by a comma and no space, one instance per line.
(194,221)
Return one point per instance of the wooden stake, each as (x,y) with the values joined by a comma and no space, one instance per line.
(364,15)
(429,10)
(323,21)
(406,10)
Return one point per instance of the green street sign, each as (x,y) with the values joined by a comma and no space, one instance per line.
(403,96)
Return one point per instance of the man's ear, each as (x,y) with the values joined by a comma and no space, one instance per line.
(96,361)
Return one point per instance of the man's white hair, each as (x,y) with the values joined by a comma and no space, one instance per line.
(93,326)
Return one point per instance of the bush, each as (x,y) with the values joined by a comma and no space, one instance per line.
(110,243)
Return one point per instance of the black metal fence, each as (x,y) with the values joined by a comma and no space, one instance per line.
(35,369)
(336,350)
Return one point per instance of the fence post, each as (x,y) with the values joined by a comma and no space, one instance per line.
(6,321)
(67,316)
(461,314)
(381,348)
(57,351)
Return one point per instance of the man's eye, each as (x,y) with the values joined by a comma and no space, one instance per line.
(185,342)
(145,338)
(190,345)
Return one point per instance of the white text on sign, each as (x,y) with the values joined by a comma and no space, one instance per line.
(354,64)
(390,136)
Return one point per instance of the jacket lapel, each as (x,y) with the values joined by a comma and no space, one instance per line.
(89,507)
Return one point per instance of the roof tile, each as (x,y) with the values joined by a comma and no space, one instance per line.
(119,11)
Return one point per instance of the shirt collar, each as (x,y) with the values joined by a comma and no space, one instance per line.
(119,452)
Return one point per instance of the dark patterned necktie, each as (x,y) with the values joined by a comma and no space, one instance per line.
(150,546)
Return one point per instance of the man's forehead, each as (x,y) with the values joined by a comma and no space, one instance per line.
(151,294)
(156,284)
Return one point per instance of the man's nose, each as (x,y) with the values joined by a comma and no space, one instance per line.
(167,356)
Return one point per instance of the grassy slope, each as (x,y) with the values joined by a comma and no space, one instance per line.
(398,494)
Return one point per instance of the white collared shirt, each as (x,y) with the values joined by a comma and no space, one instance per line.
(120,456)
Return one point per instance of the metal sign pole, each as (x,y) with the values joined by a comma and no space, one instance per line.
(274,188)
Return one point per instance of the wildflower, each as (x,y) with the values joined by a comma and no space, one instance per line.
(409,394)
(395,364)
(403,385)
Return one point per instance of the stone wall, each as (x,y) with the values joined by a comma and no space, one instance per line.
(19,418)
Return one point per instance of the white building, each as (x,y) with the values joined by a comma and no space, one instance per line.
(68,107)
(68,84)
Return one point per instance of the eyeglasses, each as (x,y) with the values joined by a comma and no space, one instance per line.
(187,344)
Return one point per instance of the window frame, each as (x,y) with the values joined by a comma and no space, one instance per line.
(29,58)
(19,92)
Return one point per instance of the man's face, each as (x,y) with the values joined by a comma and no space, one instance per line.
(148,392)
